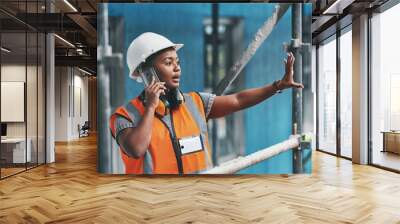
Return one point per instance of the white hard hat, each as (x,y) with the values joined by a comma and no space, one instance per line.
(144,46)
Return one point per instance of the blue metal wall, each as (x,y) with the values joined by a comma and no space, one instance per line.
(265,124)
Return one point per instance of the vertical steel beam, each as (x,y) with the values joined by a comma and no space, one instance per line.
(338,98)
(103,97)
(297,97)
(215,75)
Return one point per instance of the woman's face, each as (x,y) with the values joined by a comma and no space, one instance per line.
(168,69)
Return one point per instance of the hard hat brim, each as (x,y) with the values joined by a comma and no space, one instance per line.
(178,46)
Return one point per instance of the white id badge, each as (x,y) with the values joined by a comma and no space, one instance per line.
(190,144)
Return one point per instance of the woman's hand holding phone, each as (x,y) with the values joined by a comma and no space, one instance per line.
(153,92)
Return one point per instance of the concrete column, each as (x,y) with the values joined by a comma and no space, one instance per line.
(50,92)
(50,99)
(360,90)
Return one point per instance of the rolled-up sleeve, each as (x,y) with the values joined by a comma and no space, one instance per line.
(208,101)
(122,123)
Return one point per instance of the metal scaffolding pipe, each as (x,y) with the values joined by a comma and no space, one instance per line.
(298,73)
(215,75)
(241,163)
(258,39)
(103,98)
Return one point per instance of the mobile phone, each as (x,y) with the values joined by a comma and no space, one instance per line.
(148,75)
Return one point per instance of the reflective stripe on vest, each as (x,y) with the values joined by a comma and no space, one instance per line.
(201,123)
(133,113)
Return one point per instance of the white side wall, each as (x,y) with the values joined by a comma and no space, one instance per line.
(61,104)
(14,73)
(71,102)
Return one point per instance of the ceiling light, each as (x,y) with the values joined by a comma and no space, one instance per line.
(326,11)
(337,7)
(65,41)
(71,6)
(79,51)
(5,50)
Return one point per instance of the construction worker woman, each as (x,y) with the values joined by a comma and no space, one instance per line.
(164,131)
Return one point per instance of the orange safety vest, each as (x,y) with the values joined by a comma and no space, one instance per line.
(163,155)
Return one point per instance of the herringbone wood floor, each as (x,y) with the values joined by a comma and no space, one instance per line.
(71,191)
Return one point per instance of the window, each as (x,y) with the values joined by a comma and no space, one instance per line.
(346,93)
(385,89)
(327,96)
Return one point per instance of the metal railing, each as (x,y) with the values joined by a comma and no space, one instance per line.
(241,163)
